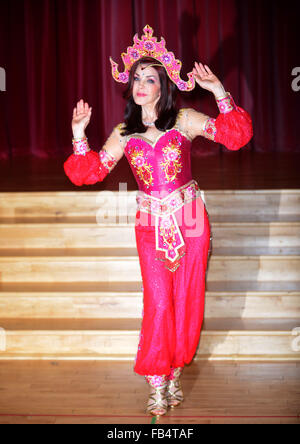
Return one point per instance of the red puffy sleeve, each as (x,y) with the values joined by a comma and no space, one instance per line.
(87,167)
(233,126)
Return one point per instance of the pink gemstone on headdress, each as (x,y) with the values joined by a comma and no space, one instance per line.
(134,54)
(166,58)
(123,77)
(149,46)
(181,86)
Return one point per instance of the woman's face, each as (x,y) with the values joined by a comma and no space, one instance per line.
(146,85)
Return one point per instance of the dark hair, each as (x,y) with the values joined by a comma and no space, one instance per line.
(165,107)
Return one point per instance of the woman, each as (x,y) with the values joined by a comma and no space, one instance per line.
(173,245)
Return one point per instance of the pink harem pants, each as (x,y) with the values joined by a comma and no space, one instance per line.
(173,307)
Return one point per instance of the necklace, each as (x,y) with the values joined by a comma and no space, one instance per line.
(148,123)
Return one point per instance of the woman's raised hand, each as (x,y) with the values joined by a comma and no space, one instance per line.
(205,78)
(81,118)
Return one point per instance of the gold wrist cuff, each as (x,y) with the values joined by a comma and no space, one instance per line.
(80,146)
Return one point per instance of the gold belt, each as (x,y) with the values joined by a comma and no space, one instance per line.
(170,245)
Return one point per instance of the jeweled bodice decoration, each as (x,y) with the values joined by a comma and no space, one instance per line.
(161,167)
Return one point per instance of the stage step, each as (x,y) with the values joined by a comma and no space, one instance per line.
(46,265)
(98,339)
(228,238)
(121,304)
(136,286)
(104,206)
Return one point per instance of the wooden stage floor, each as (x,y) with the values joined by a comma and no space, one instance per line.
(74,392)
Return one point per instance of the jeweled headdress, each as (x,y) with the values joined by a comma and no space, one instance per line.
(149,46)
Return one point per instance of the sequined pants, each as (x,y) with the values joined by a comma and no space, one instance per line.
(173,302)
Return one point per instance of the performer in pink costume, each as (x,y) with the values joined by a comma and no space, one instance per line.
(172,228)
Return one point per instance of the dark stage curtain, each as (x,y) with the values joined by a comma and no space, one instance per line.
(55,52)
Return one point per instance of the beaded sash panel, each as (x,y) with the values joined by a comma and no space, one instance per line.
(170,245)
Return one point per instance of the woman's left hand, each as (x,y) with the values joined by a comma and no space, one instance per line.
(205,78)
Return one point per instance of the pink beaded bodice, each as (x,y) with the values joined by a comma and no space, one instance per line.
(163,166)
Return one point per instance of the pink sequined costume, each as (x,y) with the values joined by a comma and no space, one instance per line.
(172,231)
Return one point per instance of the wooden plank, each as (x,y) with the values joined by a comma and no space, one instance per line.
(67,269)
(128,305)
(227,237)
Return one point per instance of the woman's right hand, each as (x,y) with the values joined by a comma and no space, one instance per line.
(81,118)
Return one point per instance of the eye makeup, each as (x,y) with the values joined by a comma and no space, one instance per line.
(149,80)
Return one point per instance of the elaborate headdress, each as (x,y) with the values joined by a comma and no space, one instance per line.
(149,46)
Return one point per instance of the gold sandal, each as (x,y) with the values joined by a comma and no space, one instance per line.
(174,390)
(174,393)
(157,402)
